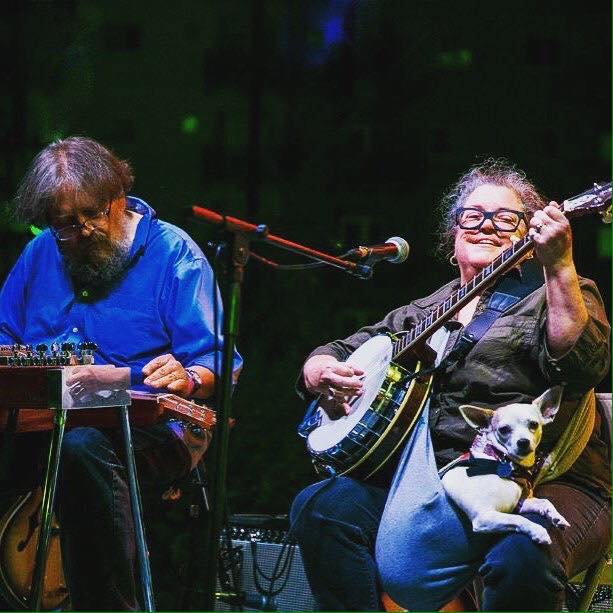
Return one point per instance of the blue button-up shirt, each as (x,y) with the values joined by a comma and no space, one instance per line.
(163,303)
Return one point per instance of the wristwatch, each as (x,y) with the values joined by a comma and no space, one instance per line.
(195,378)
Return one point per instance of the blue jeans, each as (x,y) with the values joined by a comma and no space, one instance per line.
(426,551)
(96,527)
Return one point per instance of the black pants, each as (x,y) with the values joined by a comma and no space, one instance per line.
(93,505)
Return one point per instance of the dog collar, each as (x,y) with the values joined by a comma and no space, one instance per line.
(502,466)
(486,466)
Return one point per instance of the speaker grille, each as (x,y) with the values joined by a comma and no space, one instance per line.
(255,544)
(600,602)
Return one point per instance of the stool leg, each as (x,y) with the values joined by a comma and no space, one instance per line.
(137,514)
(46,509)
(591,580)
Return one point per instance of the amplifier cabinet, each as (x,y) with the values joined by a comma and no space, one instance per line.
(264,546)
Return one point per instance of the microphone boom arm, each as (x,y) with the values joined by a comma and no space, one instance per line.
(261,233)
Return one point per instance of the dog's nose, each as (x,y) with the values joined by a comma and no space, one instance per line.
(523,444)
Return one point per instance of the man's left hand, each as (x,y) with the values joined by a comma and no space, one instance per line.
(165,372)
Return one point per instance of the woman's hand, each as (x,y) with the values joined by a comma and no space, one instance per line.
(337,382)
(552,238)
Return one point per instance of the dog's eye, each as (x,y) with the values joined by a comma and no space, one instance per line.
(533,425)
(505,430)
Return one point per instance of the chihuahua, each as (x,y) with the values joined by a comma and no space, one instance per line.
(493,482)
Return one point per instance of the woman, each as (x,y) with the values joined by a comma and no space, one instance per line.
(425,550)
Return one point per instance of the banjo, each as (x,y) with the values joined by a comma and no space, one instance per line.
(396,382)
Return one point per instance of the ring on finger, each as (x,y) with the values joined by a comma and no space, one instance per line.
(334,394)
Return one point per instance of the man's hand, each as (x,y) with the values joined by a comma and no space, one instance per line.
(165,372)
(87,380)
(338,382)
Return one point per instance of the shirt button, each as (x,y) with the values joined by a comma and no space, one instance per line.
(75,329)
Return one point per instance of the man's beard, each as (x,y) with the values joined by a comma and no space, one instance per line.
(97,261)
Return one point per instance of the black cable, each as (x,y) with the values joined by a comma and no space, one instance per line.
(277,266)
(288,541)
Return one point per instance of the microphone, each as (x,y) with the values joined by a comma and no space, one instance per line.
(394,250)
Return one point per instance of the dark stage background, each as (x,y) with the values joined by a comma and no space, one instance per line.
(336,123)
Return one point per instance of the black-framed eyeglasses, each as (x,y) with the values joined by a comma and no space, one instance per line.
(92,222)
(503,220)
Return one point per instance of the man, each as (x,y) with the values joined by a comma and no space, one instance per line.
(107,271)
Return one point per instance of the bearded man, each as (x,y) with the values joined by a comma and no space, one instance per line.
(106,270)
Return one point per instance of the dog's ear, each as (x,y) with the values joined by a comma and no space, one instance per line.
(548,403)
(477,417)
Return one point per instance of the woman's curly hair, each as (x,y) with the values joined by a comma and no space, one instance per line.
(493,171)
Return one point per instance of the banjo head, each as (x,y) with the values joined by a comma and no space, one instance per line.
(374,358)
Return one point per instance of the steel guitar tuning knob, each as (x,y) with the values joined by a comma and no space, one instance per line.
(86,350)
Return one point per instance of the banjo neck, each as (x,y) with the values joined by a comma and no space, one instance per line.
(596,199)
(520,250)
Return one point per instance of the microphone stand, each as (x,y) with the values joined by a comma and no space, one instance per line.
(241,234)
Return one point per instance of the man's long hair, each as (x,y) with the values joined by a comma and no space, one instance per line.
(78,168)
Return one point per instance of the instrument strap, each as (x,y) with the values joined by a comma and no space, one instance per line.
(507,292)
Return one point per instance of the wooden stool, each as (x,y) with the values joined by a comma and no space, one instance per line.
(464,601)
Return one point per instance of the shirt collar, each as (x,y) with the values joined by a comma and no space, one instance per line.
(144,225)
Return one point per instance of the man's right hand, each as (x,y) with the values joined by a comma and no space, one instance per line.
(337,382)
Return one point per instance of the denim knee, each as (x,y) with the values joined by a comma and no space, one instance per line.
(339,504)
(82,447)
(517,560)
(335,523)
(519,574)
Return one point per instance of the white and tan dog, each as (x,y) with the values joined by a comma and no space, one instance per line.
(493,482)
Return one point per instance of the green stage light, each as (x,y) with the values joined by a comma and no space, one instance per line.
(189,124)
(50,136)
(35,230)
(460,58)
(604,242)
(605,146)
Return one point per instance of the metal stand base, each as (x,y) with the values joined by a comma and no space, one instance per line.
(46,511)
(142,552)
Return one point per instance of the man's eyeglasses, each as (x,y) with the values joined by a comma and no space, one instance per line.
(503,220)
(92,222)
